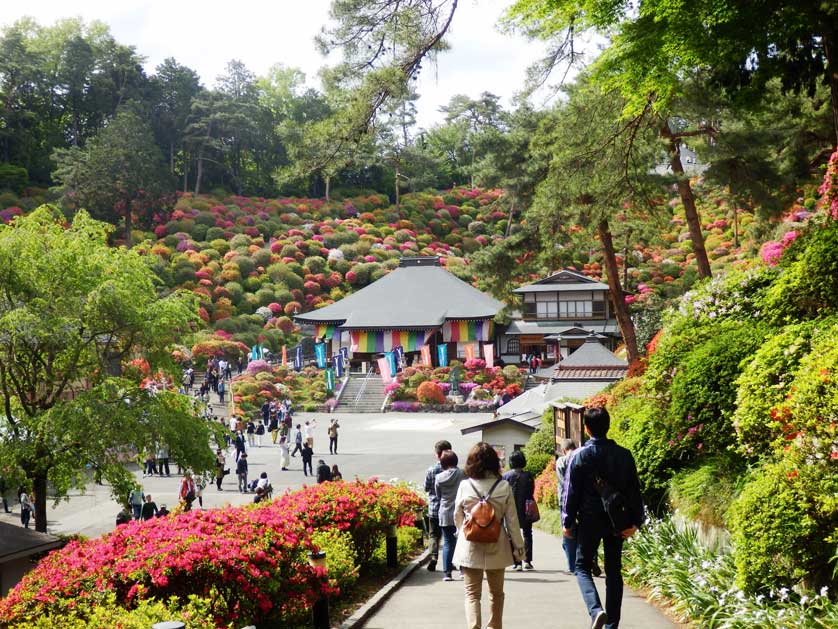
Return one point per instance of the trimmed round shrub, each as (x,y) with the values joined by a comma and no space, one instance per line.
(430,393)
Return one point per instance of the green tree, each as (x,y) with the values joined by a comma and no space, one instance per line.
(119,174)
(71,309)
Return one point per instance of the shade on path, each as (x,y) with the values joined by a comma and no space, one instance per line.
(545,597)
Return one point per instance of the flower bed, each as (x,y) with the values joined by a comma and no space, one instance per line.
(243,565)
(425,389)
(263,383)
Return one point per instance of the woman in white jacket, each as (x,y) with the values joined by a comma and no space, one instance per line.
(482,472)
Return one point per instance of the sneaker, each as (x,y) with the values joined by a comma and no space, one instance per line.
(600,620)
(447,577)
(517,567)
(432,565)
(528,566)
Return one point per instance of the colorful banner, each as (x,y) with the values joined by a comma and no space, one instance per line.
(391,360)
(379,342)
(384,368)
(442,355)
(489,354)
(324,330)
(330,380)
(320,355)
(399,352)
(469,351)
(344,353)
(465,331)
(254,353)
(337,363)
(298,358)
(426,355)
(284,357)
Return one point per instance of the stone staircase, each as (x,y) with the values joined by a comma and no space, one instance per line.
(353,400)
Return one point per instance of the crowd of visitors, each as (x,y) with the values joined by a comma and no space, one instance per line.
(484,519)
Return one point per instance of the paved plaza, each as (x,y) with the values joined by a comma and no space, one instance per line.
(387,446)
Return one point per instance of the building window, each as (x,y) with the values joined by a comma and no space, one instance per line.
(513,346)
(576,309)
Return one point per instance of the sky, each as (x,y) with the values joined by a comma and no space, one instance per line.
(206,35)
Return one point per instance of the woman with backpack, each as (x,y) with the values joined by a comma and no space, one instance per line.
(487,521)
(523,490)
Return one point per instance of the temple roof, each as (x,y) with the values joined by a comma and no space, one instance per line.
(418,295)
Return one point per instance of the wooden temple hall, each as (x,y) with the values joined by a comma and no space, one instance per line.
(418,304)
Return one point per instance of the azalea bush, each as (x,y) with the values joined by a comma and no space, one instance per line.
(248,564)
(263,382)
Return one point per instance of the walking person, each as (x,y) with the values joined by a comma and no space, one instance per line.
(310,425)
(135,501)
(483,482)
(284,454)
(220,390)
(220,468)
(307,453)
(445,486)
(150,467)
(163,460)
(274,428)
(241,472)
(260,431)
(149,509)
(523,489)
(434,532)
(566,449)
(251,433)
(600,462)
(298,441)
(333,436)
(25,509)
(188,491)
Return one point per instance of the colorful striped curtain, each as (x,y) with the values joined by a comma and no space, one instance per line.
(376,342)
(323,329)
(466,331)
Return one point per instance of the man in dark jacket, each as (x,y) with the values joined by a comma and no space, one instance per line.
(324,473)
(582,505)
(434,532)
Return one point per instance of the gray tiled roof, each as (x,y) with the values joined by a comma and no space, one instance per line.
(591,354)
(411,297)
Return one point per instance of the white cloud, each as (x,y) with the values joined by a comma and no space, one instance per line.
(206,35)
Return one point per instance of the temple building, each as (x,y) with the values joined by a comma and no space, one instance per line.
(417,304)
(559,313)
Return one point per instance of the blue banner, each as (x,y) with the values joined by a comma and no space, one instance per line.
(399,351)
(330,380)
(254,353)
(298,358)
(320,355)
(337,362)
(442,355)
(391,360)
(344,353)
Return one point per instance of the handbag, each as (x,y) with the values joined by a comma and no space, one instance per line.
(531,511)
(481,523)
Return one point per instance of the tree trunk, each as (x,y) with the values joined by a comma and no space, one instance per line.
(199,171)
(185,171)
(328,180)
(617,295)
(39,488)
(396,182)
(686,192)
(832,78)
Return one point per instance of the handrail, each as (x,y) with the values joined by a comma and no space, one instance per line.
(363,388)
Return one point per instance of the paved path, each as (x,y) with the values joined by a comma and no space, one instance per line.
(545,597)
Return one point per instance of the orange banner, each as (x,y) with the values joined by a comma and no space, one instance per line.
(469,350)
(284,357)
(426,355)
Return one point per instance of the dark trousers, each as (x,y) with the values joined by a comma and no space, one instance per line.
(150,467)
(163,464)
(434,535)
(526,530)
(24,517)
(307,465)
(333,445)
(588,536)
(298,447)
